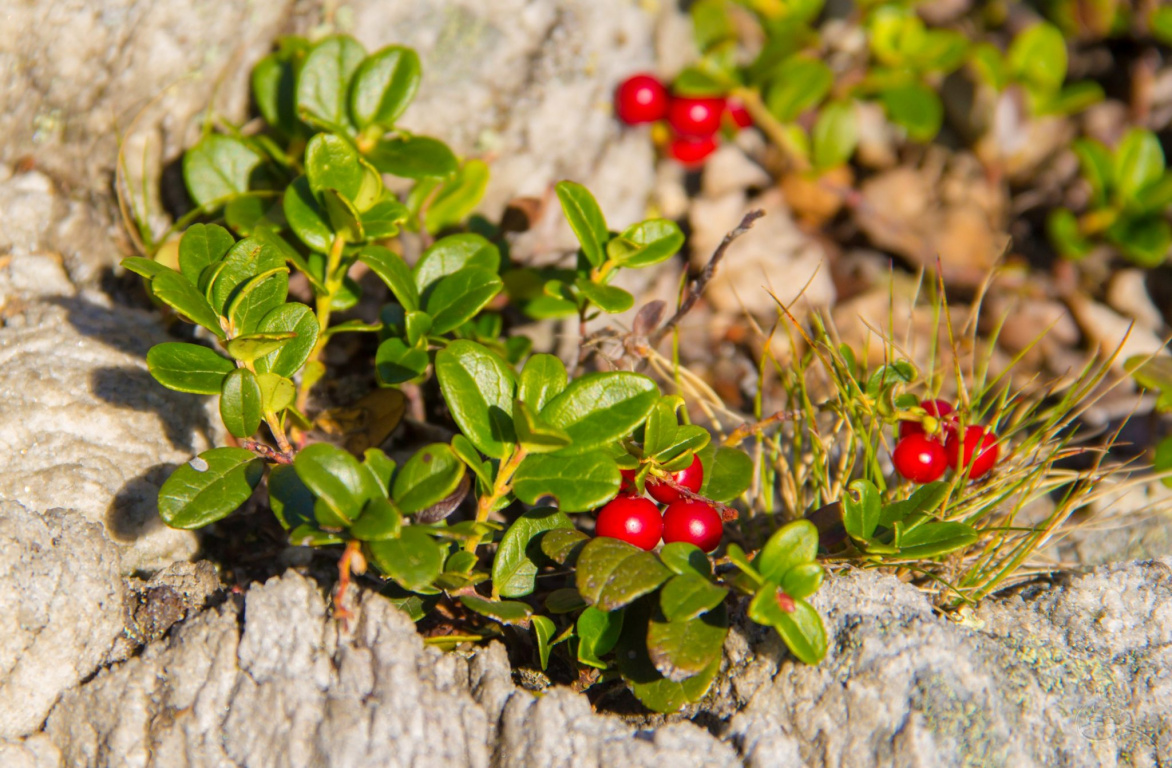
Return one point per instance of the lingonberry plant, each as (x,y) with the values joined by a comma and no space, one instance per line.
(535,447)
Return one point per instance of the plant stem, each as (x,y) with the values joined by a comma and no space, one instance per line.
(772,128)
(500,488)
(323,303)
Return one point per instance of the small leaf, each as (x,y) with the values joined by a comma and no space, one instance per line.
(380,466)
(791,545)
(576,483)
(585,218)
(835,135)
(292,318)
(383,85)
(332,163)
(543,631)
(924,501)
(728,475)
(396,363)
(274,84)
(514,567)
(798,85)
(801,628)
(201,246)
(414,157)
(564,601)
(290,499)
(683,558)
(1037,56)
(612,573)
(543,378)
(478,387)
(217,168)
(916,107)
(450,254)
(458,197)
(688,595)
(456,298)
(323,84)
(431,475)
(1144,240)
(861,515)
(599,407)
(276,392)
(251,346)
(533,433)
(240,403)
(380,520)
(390,266)
(383,218)
(342,216)
(188,367)
(683,649)
(147,268)
(608,298)
(256,298)
(336,478)
(563,545)
(414,560)
(177,292)
(192,498)
(1139,161)
(247,259)
(803,580)
(648,243)
(936,538)
(504,611)
(597,631)
(306,216)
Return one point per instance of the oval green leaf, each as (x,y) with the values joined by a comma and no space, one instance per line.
(240,403)
(585,218)
(599,407)
(478,387)
(414,560)
(383,85)
(514,568)
(288,318)
(431,475)
(188,367)
(456,298)
(209,487)
(612,573)
(577,483)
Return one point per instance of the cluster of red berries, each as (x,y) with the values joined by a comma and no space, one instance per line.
(922,457)
(695,120)
(636,520)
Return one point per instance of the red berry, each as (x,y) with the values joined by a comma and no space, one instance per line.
(641,99)
(628,481)
(691,478)
(937,408)
(693,522)
(691,151)
(919,458)
(633,520)
(694,116)
(975,438)
(738,114)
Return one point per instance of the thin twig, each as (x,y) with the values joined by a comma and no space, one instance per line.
(701,281)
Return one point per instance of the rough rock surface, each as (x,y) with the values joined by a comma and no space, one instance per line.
(60,611)
(1074,674)
(82,423)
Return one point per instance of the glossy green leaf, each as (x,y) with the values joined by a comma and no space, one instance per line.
(1063,229)
(684,648)
(936,538)
(803,580)
(1097,166)
(648,243)
(241,403)
(323,84)
(414,560)
(177,292)
(276,392)
(667,696)
(835,135)
(431,475)
(612,573)
(564,601)
(478,386)
(201,246)
(332,162)
(418,325)
(246,260)
(1139,161)
(383,219)
(801,629)
(1144,240)
(306,216)
(383,85)
(458,197)
(274,88)
(188,367)
(563,545)
(585,218)
(1162,462)
(450,254)
(343,216)
(688,595)
(504,611)
(576,483)
(380,520)
(147,268)
(256,298)
(798,85)
(381,466)
(689,439)
(288,318)
(289,498)
(860,515)
(652,689)
(683,558)
(599,407)
(455,299)
(543,631)
(393,271)
(916,108)
(414,157)
(336,478)
(1037,57)
(597,631)
(543,378)
(251,346)
(727,475)
(397,363)
(608,298)
(790,546)
(926,499)
(514,567)
(217,168)
(534,434)
(209,487)
(467,452)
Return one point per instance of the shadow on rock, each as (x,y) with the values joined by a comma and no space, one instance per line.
(134,512)
(109,326)
(127,387)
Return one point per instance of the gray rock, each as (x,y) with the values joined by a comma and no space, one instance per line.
(60,612)
(34,752)
(82,423)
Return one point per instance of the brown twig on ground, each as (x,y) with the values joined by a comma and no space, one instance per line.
(751,428)
(701,281)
